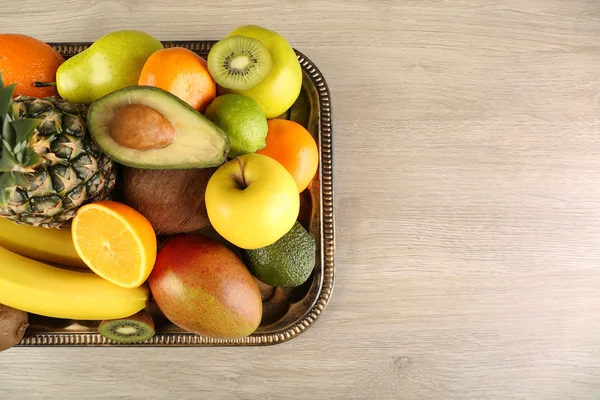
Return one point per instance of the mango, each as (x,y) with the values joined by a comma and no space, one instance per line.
(203,287)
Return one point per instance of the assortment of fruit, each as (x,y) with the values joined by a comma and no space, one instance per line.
(134,175)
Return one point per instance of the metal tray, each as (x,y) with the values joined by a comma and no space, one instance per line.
(287,312)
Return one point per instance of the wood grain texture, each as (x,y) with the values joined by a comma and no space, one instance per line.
(467,166)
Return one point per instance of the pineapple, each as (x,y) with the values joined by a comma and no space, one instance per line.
(49,164)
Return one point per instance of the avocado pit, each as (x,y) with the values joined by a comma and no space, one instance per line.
(139,127)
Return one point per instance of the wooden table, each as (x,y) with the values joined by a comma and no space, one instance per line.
(467,166)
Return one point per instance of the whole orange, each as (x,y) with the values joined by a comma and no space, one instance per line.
(294,147)
(181,72)
(24,60)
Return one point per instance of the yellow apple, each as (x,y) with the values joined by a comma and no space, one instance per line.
(282,86)
(252,201)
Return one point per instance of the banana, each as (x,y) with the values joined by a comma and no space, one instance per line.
(39,288)
(52,245)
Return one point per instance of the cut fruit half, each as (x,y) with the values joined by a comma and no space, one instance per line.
(239,62)
(134,329)
(115,241)
(148,127)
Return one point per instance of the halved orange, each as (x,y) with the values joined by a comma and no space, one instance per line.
(115,241)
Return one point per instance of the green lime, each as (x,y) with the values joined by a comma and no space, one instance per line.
(288,262)
(242,119)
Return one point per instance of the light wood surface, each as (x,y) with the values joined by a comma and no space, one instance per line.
(467,172)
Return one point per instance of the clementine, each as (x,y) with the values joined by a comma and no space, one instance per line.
(294,147)
(25,60)
(181,72)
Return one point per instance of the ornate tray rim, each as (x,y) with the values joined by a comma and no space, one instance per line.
(325,134)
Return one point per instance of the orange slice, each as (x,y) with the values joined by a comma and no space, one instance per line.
(115,241)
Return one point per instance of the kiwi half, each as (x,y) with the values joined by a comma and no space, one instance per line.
(137,328)
(239,62)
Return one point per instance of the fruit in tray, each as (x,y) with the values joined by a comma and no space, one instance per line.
(13,324)
(294,147)
(134,329)
(288,262)
(25,60)
(252,201)
(49,164)
(171,199)
(148,127)
(51,245)
(113,62)
(204,287)
(134,169)
(181,72)
(242,119)
(116,242)
(40,288)
(239,62)
(280,87)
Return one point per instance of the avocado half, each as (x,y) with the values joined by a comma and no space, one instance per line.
(198,143)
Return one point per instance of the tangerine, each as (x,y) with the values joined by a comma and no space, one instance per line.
(294,147)
(181,72)
(25,60)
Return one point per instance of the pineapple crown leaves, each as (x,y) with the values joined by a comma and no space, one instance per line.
(15,156)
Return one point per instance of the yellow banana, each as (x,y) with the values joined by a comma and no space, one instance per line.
(52,245)
(42,289)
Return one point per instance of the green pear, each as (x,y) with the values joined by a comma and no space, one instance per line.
(280,89)
(113,62)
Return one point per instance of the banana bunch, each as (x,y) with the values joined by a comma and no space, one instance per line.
(51,245)
(41,288)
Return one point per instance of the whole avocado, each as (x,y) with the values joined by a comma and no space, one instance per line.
(288,262)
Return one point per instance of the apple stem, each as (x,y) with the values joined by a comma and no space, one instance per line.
(242,171)
(44,84)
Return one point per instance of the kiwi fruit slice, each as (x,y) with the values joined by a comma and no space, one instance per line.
(239,62)
(137,328)
(13,324)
